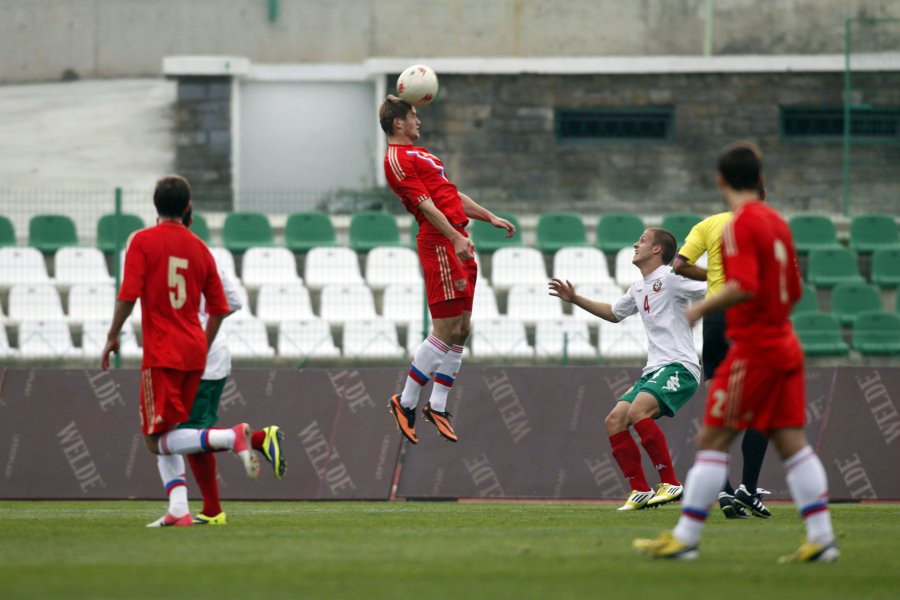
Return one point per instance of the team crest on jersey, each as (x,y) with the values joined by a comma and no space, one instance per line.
(657,285)
(460,284)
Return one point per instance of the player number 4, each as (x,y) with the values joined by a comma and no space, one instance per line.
(646,303)
(176,280)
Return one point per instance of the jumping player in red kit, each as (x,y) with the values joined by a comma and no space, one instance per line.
(761,383)
(448,262)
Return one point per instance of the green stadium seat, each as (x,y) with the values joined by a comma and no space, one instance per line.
(307,230)
(828,267)
(413,232)
(812,231)
(820,334)
(886,267)
(808,302)
(107,226)
(877,332)
(488,238)
(850,299)
(557,230)
(201,228)
(618,230)
(245,230)
(7,232)
(49,233)
(680,225)
(371,229)
(873,231)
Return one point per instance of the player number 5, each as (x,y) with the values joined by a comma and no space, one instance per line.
(176,280)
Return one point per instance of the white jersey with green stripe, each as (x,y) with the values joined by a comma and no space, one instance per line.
(661,298)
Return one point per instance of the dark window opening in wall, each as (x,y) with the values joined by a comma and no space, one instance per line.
(615,125)
(804,125)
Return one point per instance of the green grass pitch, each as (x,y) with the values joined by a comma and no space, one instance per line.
(428,550)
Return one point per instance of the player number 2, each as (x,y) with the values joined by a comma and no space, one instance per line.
(178,295)
(781,256)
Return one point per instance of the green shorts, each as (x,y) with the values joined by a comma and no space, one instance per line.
(205,412)
(672,386)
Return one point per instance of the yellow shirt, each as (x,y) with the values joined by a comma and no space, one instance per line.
(706,236)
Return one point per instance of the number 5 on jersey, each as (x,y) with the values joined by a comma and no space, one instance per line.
(177,296)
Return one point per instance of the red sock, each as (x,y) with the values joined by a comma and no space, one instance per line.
(257,439)
(203,466)
(654,442)
(627,454)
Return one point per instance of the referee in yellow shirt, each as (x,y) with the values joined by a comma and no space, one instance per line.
(706,237)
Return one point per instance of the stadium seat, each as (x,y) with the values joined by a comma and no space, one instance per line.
(279,302)
(113,231)
(607,292)
(49,233)
(488,238)
(625,339)
(247,338)
(244,313)
(530,303)
(93,340)
(877,333)
(46,340)
(261,265)
(326,266)
(306,230)
(80,265)
(618,230)
(305,340)
(201,228)
(224,259)
(828,267)
(556,230)
(386,265)
(563,336)
(680,224)
(403,302)
(581,266)
(245,230)
(808,302)
(91,302)
(5,350)
(514,266)
(850,299)
(372,339)
(36,302)
(500,338)
(341,303)
(484,304)
(7,232)
(820,334)
(872,231)
(22,264)
(370,229)
(626,272)
(886,267)
(812,231)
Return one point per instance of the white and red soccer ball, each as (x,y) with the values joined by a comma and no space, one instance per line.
(418,85)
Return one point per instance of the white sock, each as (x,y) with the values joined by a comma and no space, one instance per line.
(428,357)
(192,441)
(444,378)
(808,484)
(701,488)
(171,471)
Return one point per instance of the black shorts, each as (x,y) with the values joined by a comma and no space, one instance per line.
(715,346)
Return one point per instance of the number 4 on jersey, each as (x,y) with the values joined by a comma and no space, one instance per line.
(646,303)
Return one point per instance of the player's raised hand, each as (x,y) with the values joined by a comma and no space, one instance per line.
(501,223)
(112,345)
(564,290)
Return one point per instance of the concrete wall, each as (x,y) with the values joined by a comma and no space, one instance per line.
(48,39)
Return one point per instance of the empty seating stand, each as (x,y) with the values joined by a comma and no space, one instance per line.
(813,231)
(872,231)
(113,231)
(370,229)
(307,230)
(49,233)
(557,230)
(488,238)
(245,230)
(618,230)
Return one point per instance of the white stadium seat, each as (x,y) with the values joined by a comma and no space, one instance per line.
(46,339)
(247,338)
(22,264)
(347,302)
(388,265)
(601,292)
(626,272)
(91,302)
(35,302)
(375,338)
(581,265)
(224,259)
(268,265)
(331,264)
(5,350)
(403,302)
(556,337)
(499,338)
(531,303)
(626,339)
(244,313)
(307,339)
(73,265)
(484,304)
(510,266)
(93,340)
(279,302)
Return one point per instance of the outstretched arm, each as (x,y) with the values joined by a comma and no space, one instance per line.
(120,315)
(564,290)
(462,246)
(474,210)
(682,267)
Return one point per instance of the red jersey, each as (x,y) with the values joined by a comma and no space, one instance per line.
(168,268)
(759,255)
(416,175)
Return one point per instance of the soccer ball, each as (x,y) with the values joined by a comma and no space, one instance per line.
(418,85)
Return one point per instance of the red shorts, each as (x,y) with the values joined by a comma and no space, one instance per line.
(749,391)
(167,396)
(449,284)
